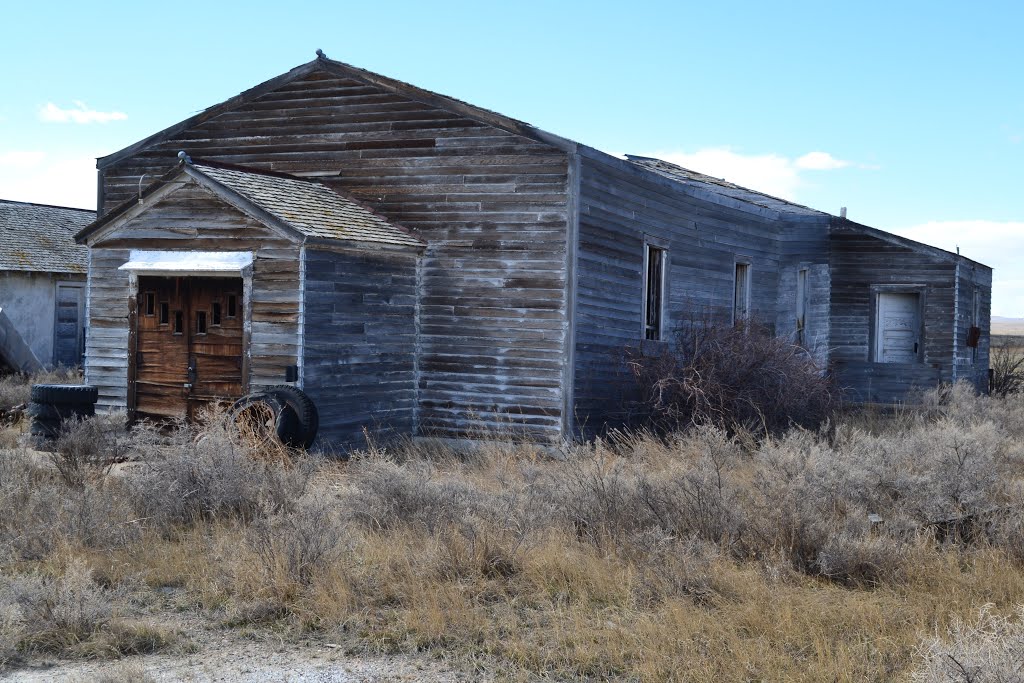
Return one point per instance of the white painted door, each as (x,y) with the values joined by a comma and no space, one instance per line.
(899,328)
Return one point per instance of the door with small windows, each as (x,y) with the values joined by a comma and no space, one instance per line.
(188,345)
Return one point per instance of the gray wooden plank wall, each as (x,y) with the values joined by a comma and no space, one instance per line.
(860,260)
(192,218)
(804,245)
(491,204)
(106,344)
(359,356)
(620,205)
(972,365)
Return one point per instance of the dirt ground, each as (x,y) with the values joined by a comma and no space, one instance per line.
(219,654)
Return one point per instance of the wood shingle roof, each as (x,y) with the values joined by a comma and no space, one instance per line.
(41,238)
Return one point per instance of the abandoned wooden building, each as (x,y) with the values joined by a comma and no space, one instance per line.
(420,265)
(42,285)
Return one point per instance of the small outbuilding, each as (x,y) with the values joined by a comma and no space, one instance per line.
(42,285)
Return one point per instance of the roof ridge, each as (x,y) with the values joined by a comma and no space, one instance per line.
(49,206)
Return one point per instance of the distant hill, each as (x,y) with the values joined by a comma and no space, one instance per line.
(1007,326)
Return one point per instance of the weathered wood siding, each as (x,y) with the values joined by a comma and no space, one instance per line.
(804,246)
(491,204)
(192,218)
(972,364)
(106,343)
(621,206)
(359,353)
(860,261)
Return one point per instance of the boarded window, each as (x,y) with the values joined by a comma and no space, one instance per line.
(741,294)
(654,292)
(898,328)
(801,306)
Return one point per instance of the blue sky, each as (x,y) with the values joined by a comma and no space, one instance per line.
(911,114)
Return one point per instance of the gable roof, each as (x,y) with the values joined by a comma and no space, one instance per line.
(341,69)
(302,207)
(41,238)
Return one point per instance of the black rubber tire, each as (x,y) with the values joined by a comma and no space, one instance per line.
(64,393)
(50,430)
(305,412)
(60,411)
(285,421)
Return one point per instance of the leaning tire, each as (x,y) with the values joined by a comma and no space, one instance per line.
(60,411)
(64,394)
(306,414)
(265,417)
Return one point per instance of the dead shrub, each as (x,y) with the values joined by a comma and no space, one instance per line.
(208,472)
(85,448)
(39,513)
(55,614)
(1007,366)
(989,649)
(16,388)
(297,544)
(738,377)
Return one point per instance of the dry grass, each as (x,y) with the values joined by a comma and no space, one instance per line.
(861,552)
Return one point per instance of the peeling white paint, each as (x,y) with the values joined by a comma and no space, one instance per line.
(191,262)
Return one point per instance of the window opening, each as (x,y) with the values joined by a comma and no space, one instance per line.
(215,313)
(150,303)
(801,306)
(179,322)
(974,334)
(200,322)
(741,296)
(232,305)
(654,292)
(165,312)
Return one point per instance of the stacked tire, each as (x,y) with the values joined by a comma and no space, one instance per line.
(52,404)
(284,413)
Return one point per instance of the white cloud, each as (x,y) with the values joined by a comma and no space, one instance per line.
(80,113)
(41,178)
(999,244)
(820,161)
(773,174)
(21,159)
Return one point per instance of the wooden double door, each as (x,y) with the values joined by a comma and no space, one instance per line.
(188,344)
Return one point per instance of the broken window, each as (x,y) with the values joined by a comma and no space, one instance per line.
(165,312)
(179,322)
(200,322)
(149,303)
(654,292)
(232,306)
(215,313)
(741,294)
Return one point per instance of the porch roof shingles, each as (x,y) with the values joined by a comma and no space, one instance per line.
(310,207)
(41,238)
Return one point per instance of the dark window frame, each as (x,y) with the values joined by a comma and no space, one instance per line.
(655,291)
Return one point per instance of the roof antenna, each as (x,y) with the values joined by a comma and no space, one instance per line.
(140,187)
(184,158)
(320,54)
